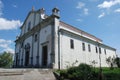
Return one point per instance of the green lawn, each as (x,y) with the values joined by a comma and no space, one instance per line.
(110,74)
(107,73)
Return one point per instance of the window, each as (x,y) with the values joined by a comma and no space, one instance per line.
(72,44)
(99,50)
(105,51)
(29,24)
(89,48)
(96,49)
(35,37)
(83,46)
(21,44)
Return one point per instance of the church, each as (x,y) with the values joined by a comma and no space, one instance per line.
(47,42)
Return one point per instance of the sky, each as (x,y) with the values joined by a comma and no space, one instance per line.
(100,18)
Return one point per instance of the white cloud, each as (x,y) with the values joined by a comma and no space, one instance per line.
(5,41)
(9,50)
(1,6)
(117,10)
(6,24)
(93,0)
(9,24)
(14,5)
(80,20)
(101,15)
(108,4)
(80,5)
(5,45)
(85,11)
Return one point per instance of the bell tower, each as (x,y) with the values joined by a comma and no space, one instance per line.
(55,11)
(42,13)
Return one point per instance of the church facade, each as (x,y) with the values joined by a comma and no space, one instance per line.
(47,42)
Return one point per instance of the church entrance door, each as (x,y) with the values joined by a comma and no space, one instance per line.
(16,59)
(44,56)
(27,58)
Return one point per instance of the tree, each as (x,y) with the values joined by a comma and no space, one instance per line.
(110,61)
(6,59)
(117,61)
(82,72)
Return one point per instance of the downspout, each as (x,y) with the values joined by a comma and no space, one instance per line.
(32,51)
(58,48)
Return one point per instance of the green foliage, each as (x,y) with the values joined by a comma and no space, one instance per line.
(86,72)
(63,74)
(111,74)
(117,61)
(82,72)
(5,60)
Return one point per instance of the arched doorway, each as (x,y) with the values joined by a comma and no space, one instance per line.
(27,54)
(44,56)
(27,58)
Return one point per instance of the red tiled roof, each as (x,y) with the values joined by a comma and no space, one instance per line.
(79,31)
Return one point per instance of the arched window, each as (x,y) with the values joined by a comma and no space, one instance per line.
(83,46)
(29,25)
(72,44)
(36,37)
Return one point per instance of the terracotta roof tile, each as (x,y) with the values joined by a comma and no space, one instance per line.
(79,31)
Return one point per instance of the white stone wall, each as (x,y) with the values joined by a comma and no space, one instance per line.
(37,18)
(28,40)
(73,57)
(45,39)
(34,18)
(30,19)
(17,48)
(35,49)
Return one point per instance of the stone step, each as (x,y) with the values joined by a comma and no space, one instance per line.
(26,74)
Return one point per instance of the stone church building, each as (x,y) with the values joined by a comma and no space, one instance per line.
(47,42)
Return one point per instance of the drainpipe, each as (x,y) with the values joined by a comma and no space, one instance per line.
(58,48)
(100,73)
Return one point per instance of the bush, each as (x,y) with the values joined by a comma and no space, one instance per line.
(63,74)
(86,72)
(6,60)
(82,72)
(73,73)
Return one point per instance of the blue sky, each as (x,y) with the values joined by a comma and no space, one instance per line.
(98,17)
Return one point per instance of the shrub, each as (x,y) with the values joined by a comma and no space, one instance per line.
(82,72)
(86,72)
(63,74)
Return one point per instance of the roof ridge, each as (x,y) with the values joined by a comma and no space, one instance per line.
(81,31)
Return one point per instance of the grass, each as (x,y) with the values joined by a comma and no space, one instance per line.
(110,74)
(107,73)
(107,70)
